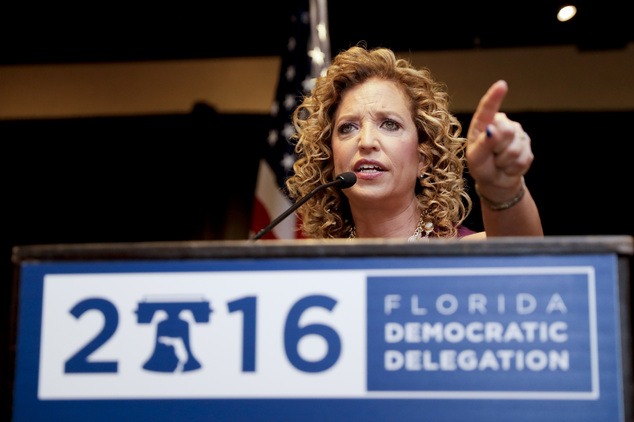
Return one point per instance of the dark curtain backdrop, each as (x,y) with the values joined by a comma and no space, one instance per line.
(192,177)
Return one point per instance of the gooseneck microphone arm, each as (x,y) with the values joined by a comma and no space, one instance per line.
(346,180)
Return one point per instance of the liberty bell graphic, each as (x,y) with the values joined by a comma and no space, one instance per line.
(172,351)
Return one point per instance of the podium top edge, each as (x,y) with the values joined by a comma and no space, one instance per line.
(182,250)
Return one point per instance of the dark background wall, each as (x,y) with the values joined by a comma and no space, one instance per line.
(192,176)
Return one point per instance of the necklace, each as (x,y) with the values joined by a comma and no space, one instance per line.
(420,228)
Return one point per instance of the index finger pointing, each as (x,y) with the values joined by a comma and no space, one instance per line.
(489,105)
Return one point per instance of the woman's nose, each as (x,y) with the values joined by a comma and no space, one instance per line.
(368,138)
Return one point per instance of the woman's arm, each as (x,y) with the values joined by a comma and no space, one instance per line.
(498,155)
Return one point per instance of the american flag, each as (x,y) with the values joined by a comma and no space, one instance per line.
(306,56)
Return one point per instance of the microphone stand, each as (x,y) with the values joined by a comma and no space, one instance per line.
(348,179)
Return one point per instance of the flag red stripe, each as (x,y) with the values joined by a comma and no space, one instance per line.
(261,219)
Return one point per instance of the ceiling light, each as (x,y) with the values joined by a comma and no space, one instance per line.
(566,13)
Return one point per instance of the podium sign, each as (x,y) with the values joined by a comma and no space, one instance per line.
(321,337)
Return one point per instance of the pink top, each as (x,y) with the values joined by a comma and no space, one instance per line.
(463,231)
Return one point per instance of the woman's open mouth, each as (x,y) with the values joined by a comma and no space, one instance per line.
(368,169)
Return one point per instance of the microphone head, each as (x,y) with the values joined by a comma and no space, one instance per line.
(348,179)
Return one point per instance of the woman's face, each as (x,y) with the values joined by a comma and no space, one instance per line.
(375,136)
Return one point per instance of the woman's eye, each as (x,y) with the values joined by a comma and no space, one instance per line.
(346,128)
(391,125)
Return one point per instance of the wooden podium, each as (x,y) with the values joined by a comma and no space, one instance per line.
(515,329)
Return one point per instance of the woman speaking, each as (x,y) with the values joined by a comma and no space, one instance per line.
(389,123)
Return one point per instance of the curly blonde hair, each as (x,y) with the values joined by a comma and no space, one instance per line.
(440,192)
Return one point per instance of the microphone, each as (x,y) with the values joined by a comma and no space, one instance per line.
(346,180)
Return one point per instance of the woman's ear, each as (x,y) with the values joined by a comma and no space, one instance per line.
(422,165)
